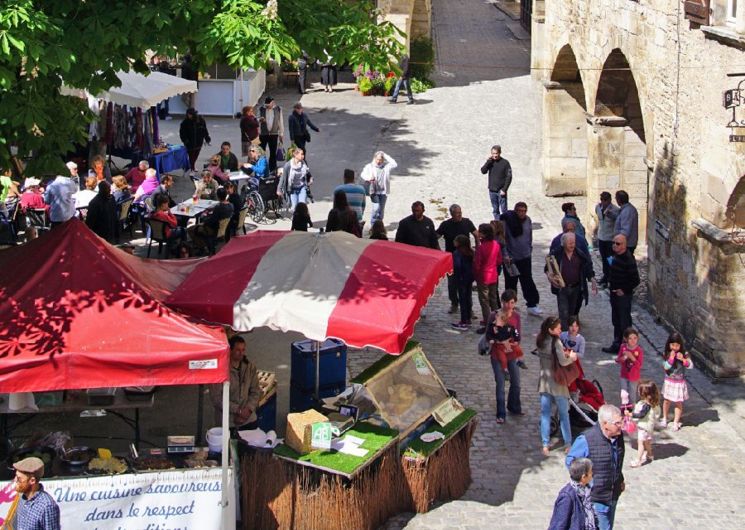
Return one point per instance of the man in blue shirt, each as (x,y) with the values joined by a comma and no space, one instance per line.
(604,445)
(59,197)
(355,194)
(34,508)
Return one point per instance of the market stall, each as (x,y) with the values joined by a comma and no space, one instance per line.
(78,318)
(127,119)
(345,462)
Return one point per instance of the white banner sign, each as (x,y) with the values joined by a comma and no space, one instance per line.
(169,500)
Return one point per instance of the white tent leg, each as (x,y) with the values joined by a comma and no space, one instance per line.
(318,370)
(226,518)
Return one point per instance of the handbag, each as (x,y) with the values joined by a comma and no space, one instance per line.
(307,136)
(483,345)
(280,153)
(564,375)
(554,272)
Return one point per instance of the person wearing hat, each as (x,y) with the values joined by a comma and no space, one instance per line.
(31,198)
(194,133)
(72,167)
(272,129)
(33,508)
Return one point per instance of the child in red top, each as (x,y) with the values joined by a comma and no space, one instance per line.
(631,358)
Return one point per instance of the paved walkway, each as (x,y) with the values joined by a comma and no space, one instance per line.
(485,96)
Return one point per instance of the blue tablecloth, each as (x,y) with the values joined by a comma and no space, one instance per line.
(175,158)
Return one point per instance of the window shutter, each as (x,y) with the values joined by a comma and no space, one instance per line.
(697,11)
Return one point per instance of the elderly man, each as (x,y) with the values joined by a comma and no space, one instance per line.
(72,167)
(136,176)
(604,445)
(568,225)
(33,508)
(207,187)
(244,389)
(450,228)
(519,252)
(500,178)
(623,277)
(606,213)
(271,129)
(59,195)
(575,266)
(627,220)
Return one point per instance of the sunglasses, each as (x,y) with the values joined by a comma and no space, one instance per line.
(617,243)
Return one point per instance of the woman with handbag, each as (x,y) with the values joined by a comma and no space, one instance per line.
(558,371)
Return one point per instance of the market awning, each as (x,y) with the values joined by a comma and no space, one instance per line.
(138,90)
(364,292)
(78,313)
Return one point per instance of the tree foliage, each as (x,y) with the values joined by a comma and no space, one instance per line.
(85,42)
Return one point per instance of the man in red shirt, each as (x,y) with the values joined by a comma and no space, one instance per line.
(136,175)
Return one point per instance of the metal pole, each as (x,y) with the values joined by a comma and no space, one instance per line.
(200,414)
(225,460)
(318,369)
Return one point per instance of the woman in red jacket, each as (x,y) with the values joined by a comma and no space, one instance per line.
(486,263)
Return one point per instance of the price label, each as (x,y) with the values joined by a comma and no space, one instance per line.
(421,365)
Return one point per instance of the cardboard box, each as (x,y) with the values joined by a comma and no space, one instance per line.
(299,429)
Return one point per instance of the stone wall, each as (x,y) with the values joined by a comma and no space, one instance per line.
(654,124)
(412,17)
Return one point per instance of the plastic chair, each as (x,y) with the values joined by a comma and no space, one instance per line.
(222,230)
(156,231)
(123,218)
(37,217)
(242,220)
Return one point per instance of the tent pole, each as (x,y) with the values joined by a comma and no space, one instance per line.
(225,456)
(318,369)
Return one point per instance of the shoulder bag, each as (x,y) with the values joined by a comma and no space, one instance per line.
(563,375)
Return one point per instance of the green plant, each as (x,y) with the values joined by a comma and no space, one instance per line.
(421,85)
(364,83)
(378,85)
(422,58)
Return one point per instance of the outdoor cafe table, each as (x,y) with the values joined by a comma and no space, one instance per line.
(192,210)
(76,402)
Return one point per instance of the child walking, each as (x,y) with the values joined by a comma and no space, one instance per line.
(463,271)
(645,414)
(630,357)
(675,389)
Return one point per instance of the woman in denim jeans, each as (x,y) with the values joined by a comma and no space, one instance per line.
(550,351)
(512,317)
(295,179)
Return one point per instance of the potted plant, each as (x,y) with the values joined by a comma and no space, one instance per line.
(378,85)
(390,83)
(365,85)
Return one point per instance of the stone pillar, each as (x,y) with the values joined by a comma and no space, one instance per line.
(740,17)
(540,48)
(565,139)
(421,23)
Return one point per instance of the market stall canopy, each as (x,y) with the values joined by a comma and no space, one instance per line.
(333,285)
(138,90)
(78,313)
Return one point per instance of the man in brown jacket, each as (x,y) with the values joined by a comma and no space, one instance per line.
(244,389)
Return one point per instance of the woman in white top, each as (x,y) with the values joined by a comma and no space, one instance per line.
(376,177)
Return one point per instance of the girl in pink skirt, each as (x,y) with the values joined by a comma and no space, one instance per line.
(675,389)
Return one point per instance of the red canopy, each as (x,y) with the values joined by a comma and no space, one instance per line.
(364,292)
(77,313)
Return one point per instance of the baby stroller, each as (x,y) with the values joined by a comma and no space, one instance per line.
(585,399)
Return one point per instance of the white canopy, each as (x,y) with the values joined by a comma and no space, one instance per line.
(138,90)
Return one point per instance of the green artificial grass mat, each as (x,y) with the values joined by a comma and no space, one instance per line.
(384,362)
(375,439)
(420,449)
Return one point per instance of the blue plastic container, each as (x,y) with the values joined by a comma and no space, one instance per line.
(267,414)
(333,370)
(302,399)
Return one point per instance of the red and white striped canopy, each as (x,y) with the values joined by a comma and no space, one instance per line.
(364,292)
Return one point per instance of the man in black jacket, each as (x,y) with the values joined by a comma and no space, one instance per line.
(500,178)
(299,123)
(194,133)
(417,229)
(623,277)
(576,269)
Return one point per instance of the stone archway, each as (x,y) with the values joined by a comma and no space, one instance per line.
(735,212)
(617,145)
(564,128)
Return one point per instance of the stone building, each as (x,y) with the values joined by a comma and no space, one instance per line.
(634,99)
(412,17)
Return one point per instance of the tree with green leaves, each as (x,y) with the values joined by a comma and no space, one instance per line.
(83,43)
